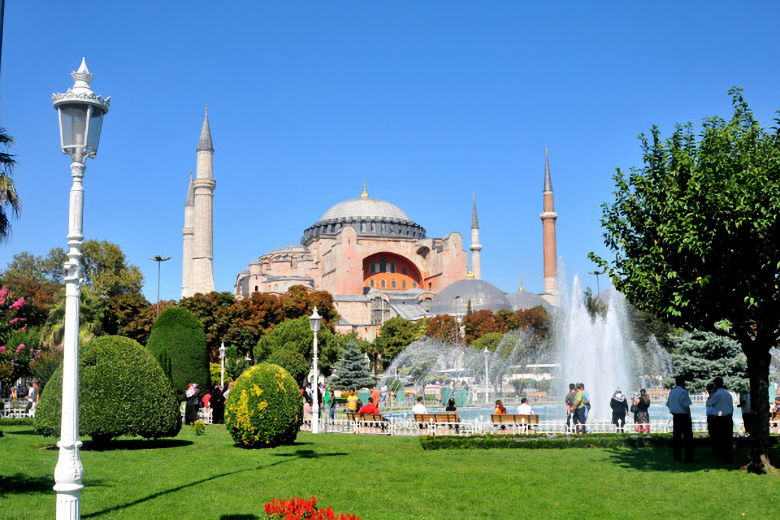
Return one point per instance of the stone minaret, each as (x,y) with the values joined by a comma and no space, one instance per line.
(202,274)
(187,237)
(548,234)
(476,247)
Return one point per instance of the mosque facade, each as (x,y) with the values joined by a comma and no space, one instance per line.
(368,254)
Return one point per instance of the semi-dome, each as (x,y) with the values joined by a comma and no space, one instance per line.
(368,217)
(455,298)
(522,301)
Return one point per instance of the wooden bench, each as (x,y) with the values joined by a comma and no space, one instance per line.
(515,423)
(434,423)
(367,422)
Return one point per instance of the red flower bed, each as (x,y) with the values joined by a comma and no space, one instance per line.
(301,509)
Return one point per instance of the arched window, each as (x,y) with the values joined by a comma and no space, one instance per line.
(382,284)
(392,284)
(371,283)
(403,284)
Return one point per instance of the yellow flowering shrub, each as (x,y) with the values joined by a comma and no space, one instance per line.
(264,408)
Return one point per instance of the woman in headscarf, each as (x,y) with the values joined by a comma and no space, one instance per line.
(619,406)
(193,404)
(217,405)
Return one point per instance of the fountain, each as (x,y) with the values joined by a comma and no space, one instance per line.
(596,350)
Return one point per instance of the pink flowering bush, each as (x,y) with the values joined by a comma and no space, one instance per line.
(302,509)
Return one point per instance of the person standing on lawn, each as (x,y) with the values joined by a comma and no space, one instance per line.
(679,404)
(723,425)
(569,400)
(619,407)
(352,400)
(579,410)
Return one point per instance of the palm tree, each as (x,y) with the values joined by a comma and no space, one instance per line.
(9,198)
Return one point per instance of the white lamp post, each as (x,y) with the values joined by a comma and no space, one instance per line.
(80,113)
(316,321)
(487,377)
(222,363)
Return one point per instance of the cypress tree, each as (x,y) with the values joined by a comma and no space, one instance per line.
(178,342)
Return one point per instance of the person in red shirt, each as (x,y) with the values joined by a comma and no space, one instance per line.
(375,397)
(369,408)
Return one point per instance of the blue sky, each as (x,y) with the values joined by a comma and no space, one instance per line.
(427,101)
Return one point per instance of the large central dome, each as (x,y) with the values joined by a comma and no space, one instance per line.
(369,218)
(365,208)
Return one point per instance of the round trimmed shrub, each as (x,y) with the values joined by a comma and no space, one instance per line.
(179,344)
(122,391)
(264,408)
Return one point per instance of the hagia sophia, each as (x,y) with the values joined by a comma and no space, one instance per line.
(368,254)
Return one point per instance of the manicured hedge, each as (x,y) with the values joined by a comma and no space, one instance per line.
(122,391)
(178,342)
(14,421)
(264,408)
(552,441)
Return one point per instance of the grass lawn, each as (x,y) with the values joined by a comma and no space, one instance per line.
(378,478)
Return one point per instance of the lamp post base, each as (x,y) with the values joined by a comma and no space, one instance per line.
(67,477)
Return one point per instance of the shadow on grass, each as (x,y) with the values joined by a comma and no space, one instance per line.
(21,483)
(661,459)
(135,444)
(239,517)
(21,432)
(290,457)
(309,454)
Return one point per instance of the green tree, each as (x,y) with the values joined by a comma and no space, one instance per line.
(395,335)
(179,345)
(105,269)
(702,356)
(10,203)
(489,341)
(695,234)
(351,370)
(42,269)
(290,345)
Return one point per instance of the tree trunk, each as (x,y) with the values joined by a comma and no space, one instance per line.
(757,422)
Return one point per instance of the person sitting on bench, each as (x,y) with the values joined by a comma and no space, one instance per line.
(370,407)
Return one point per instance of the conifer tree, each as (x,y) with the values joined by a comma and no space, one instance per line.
(702,356)
(352,369)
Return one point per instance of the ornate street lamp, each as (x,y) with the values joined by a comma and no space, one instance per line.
(81,114)
(316,321)
(222,362)
(159,259)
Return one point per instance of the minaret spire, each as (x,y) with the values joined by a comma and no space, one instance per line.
(547,179)
(204,143)
(549,216)
(476,247)
(364,195)
(201,254)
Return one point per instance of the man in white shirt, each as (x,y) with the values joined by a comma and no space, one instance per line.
(420,406)
(524,408)
(679,404)
(722,406)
